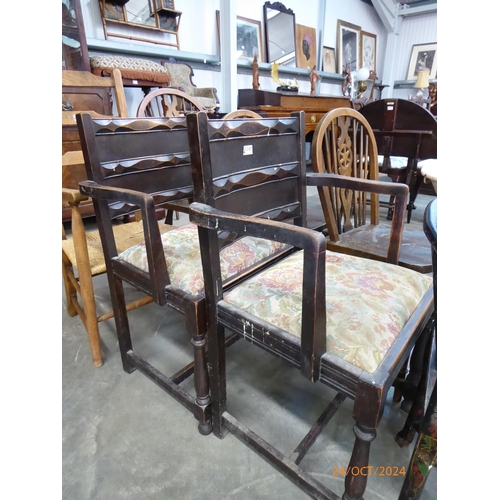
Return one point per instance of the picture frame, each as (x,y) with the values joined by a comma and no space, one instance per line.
(305,46)
(368,51)
(348,36)
(249,38)
(423,55)
(328,60)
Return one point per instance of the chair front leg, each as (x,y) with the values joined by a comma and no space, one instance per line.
(121,320)
(368,409)
(357,477)
(196,325)
(217,377)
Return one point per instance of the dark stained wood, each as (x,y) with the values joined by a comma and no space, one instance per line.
(344,144)
(233,198)
(141,164)
(403,128)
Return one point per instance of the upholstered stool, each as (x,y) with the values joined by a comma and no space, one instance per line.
(135,71)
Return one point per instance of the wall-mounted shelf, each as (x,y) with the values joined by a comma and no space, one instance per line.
(408,84)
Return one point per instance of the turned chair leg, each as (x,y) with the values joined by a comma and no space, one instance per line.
(196,324)
(357,477)
(217,375)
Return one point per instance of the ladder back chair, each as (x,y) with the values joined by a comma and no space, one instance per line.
(344,144)
(140,164)
(250,179)
(82,255)
(169,102)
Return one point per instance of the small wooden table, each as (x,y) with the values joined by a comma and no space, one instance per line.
(270,103)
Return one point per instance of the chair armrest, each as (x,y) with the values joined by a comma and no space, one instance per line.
(399,191)
(73,196)
(211,220)
(156,259)
(300,237)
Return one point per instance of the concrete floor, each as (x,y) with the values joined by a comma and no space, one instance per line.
(124,438)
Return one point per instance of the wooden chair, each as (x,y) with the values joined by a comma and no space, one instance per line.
(82,256)
(181,78)
(141,164)
(344,144)
(315,309)
(167,102)
(241,113)
(402,129)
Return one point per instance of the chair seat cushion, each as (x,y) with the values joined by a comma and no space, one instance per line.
(367,302)
(182,255)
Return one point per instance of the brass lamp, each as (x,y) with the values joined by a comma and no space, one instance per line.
(422,83)
(361,76)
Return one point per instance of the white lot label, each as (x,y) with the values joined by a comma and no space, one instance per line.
(247,150)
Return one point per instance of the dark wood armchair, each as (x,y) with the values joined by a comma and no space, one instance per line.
(344,321)
(138,165)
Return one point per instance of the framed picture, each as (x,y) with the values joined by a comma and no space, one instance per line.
(328,59)
(347,46)
(368,51)
(423,55)
(305,46)
(248,38)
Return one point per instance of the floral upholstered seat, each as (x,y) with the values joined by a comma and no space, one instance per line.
(182,254)
(367,303)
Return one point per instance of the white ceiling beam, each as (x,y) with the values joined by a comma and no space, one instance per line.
(407,10)
(388,11)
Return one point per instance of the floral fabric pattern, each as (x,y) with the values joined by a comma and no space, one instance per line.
(182,255)
(367,303)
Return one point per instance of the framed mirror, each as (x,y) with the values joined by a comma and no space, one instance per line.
(279,24)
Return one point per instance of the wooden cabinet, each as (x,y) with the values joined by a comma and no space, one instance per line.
(271,103)
(76,99)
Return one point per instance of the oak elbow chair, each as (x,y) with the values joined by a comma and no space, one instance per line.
(138,164)
(344,144)
(342,320)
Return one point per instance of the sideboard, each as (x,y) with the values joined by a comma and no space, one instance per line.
(271,103)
